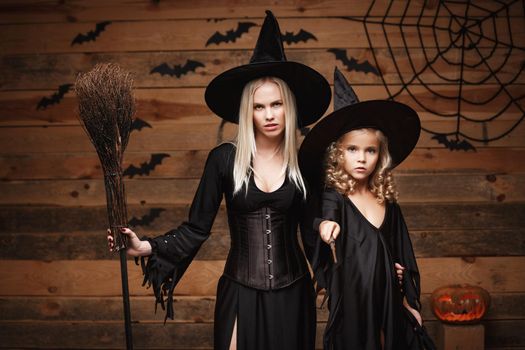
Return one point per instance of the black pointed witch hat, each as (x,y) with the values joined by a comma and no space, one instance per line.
(397,121)
(311,90)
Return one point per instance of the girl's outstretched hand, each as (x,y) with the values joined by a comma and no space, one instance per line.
(329,230)
(136,247)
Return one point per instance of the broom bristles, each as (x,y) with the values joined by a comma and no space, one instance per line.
(106,109)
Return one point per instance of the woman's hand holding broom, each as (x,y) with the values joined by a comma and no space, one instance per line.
(135,248)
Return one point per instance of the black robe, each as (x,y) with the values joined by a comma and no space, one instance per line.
(283,318)
(364,297)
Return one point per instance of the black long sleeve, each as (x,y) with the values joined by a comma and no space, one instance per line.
(173,252)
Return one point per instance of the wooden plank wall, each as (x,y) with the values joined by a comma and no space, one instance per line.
(60,287)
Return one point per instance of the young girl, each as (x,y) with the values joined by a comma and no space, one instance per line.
(369,308)
(265,297)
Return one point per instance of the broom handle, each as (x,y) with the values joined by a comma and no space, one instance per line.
(125,298)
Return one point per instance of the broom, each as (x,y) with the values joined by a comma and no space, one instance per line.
(106,109)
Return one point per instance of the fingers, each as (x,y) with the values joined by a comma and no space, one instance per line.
(399,272)
(326,234)
(336,230)
(111,239)
(329,231)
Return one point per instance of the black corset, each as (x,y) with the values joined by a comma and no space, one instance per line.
(264,253)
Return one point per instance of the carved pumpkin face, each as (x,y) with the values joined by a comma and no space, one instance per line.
(460,303)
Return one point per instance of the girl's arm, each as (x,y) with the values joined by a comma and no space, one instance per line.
(327,209)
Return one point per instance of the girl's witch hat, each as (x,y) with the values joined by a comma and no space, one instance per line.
(397,121)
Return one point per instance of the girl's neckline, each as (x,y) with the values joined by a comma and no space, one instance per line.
(364,217)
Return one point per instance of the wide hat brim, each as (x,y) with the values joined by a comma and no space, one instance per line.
(311,90)
(399,123)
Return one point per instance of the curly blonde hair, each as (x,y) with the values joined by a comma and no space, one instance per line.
(381,182)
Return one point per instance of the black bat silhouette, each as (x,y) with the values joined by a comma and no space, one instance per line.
(147,219)
(303,35)
(178,70)
(231,35)
(453,145)
(139,124)
(55,98)
(91,35)
(146,167)
(352,64)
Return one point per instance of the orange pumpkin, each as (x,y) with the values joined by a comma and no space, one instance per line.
(460,303)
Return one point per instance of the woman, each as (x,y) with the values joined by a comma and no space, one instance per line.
(265,298)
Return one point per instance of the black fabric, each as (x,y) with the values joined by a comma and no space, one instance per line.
(173,252)
(399,123)
(311,90)
(364,296)
(269,47)
(266,320)
(272,258)
(344,95)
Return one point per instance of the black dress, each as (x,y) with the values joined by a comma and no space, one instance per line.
(364,295)
(272,301)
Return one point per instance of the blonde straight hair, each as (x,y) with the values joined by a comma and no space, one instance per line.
(245,143)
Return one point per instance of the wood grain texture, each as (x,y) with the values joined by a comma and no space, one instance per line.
(92,245)
(187,105)
(48,71)
(190,164)
(428,217)
(169,137)
(188,309)
(413,188)
(60,287)
(100,277)
(31,11)
(193,34)
(64,335)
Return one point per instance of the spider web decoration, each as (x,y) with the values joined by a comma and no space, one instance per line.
(476,40)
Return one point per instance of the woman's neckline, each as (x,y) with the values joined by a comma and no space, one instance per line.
(252,179)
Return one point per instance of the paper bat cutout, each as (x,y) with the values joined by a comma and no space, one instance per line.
(231,35)
(303,35)
(177,70)
(139,124)
(55,98)
(454,145)
(146,167)
(352,64)
(91,35)
(147,219)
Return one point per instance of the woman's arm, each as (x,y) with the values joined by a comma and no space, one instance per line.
(164,259)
